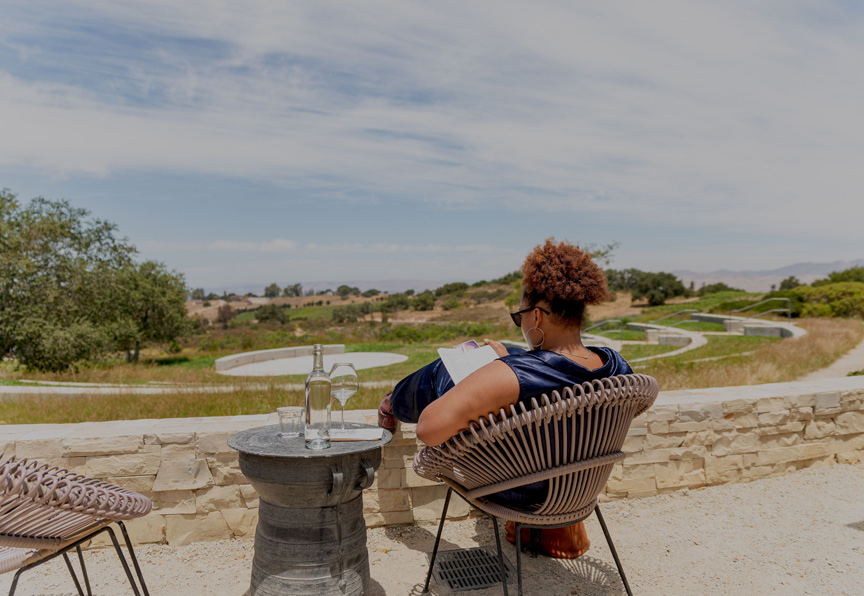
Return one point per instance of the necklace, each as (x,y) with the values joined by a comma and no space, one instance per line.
(572,354)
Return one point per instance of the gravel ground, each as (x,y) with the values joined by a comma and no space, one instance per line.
(797,534)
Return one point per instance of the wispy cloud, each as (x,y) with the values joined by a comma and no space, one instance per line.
(279,245)
(734,116)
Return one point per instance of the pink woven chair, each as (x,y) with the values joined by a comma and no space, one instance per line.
(47,511)
(572,439)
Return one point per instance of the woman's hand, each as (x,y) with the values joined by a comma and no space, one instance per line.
(497,346)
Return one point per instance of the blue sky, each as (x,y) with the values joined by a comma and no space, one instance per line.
(244,143)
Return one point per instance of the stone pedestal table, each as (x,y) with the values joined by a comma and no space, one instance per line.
(311,535)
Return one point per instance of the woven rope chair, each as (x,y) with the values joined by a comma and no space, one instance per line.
(47,511)
(571,438)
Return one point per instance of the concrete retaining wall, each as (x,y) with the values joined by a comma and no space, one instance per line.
(688,439)
(229,362)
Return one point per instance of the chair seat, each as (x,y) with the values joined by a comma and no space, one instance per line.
(46,511)
(570,439)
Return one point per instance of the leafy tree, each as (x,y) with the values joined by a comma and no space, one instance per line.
(224,314)
(457,287)
(70,290)
(272,291)
(853,274)
(424,301)
(370,293)
(150,307)
(197,294)
(395,303)
(344,291)
(451,302)
(272,313)
(56,270)
(714,288)
(655,287)
(790,283)
(292,290)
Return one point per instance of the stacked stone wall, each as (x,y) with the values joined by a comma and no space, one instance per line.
(689,439)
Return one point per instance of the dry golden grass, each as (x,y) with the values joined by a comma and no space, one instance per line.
(771,361)
(774,362)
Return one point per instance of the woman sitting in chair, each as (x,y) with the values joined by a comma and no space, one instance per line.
(558,281)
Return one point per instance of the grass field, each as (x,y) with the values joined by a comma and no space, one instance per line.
(745,360)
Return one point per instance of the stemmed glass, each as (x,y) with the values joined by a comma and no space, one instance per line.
(344,384)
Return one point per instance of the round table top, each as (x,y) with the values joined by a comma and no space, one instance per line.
(265,441)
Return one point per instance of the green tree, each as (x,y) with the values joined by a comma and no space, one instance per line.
(853,274)
(457,287)
(57,270)
(790,283)
(150,307)
(292,290)
(197,294)
(424,301)
(70,290)
(224,314)
(714,288)
(655,287)
(272,291)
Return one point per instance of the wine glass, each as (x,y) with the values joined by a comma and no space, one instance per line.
(344,384)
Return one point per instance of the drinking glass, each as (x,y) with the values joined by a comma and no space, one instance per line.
(290,422)
(344,384)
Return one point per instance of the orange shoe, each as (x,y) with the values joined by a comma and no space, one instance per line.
(559,543)
(510,533)
(568,542)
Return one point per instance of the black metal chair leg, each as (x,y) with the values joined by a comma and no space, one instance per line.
(519,556)
(74,576)
(612,548)
(132,581)
(503,570)
(134,558)
(84,571)
(437,540)
(15,581)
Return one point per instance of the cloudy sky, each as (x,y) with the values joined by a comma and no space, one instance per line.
(271,140)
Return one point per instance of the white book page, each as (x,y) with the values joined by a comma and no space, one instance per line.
(460,364)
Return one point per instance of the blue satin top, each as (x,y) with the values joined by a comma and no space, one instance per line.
(542,371)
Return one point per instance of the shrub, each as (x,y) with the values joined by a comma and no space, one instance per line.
(457,287)
(844,299)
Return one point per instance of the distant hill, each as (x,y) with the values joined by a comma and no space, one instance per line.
(389,285)
(761,281)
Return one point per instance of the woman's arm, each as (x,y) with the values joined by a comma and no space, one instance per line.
(486,390)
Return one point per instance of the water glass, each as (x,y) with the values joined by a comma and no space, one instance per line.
(290,422)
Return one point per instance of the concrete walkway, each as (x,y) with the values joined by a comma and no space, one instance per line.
(851,361)
(301,364)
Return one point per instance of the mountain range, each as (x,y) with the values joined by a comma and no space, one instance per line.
(761,281)
(752,281)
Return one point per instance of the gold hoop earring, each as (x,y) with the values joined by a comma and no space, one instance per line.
(542,341)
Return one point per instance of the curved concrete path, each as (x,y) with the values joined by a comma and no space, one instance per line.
(697,340)
(851,361)
(299,365)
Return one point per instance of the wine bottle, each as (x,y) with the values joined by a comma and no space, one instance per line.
(317,430)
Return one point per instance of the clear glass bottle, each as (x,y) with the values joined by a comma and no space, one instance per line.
(317,430)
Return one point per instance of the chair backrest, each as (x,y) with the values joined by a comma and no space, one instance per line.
(42,507)
(571,438)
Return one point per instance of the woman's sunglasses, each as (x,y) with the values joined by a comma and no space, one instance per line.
(517,316)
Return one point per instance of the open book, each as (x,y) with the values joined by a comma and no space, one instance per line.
(464,359)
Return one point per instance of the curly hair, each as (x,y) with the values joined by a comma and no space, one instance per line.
(564,277)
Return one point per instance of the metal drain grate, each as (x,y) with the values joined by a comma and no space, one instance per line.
(471,569)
